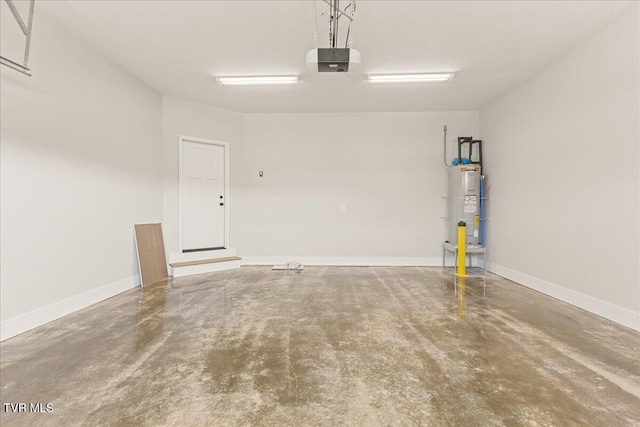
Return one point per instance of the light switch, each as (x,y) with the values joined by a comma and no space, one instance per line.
(343,208)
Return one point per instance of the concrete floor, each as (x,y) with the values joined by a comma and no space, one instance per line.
(330,346)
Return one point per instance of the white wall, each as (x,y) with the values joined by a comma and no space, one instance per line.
(387,168)
(80,164)
(562,160)
(201,121)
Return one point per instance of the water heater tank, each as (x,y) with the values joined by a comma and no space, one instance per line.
(463,197)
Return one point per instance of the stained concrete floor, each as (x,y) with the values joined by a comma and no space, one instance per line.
(330,346)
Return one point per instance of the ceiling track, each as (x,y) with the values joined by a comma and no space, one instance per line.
(26,30)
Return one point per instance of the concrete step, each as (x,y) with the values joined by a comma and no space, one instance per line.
(200,255)
(204,261)
(187,268)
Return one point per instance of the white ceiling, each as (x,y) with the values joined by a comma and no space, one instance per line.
(177,47)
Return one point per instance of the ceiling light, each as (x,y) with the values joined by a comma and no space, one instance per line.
(409,78)
(258,80)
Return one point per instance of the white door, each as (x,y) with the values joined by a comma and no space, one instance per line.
(203,201)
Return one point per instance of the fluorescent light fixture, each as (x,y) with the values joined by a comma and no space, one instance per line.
(409,78)
(258,80)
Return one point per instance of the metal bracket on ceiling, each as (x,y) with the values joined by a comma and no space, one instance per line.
(340,11)
(26,30)
(335,13)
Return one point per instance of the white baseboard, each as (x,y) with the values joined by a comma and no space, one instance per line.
(17,325)
(604,309)
(346,261)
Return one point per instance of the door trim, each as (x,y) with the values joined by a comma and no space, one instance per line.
(182,139)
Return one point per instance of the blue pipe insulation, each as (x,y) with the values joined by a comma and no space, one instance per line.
(482,211)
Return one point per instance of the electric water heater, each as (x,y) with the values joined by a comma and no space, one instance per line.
(463,197)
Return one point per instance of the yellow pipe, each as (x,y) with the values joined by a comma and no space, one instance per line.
(462,249)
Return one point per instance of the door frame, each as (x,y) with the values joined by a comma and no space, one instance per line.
(182,139)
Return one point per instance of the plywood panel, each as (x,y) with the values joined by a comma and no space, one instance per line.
(151,256)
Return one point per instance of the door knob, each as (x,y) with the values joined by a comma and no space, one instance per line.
(221,197)
(221,204)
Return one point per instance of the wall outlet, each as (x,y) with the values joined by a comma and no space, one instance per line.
(343,208)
